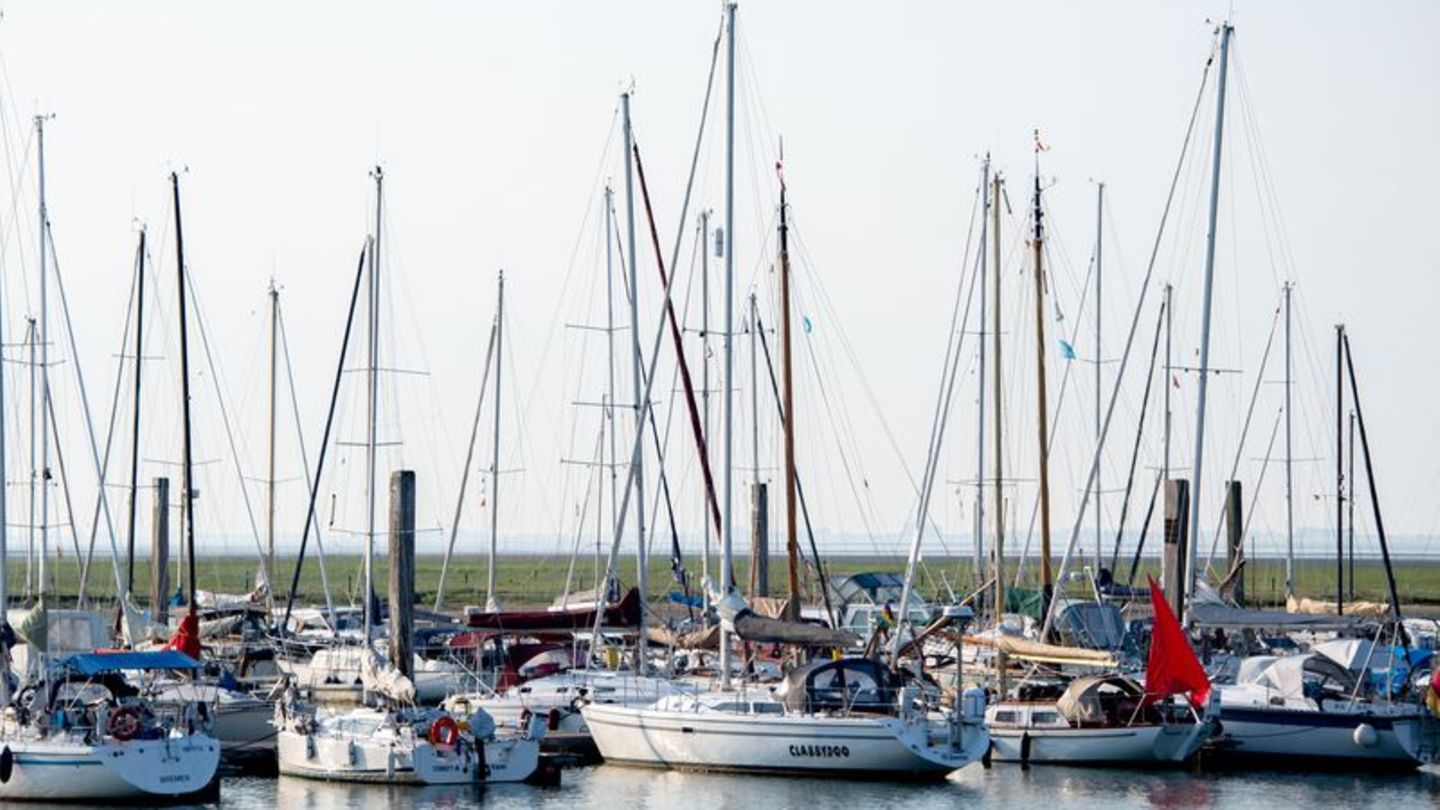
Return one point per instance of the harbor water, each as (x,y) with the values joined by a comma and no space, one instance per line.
(998,787)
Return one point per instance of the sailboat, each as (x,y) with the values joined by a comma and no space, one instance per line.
(392,741)
(852,717)
(78,730)
(1113,719)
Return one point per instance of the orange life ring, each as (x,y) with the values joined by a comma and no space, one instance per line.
(445,732)
(123,724)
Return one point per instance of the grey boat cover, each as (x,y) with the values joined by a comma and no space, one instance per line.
(1214,614)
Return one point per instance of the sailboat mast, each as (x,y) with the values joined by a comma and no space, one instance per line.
(997,189)
(636,371)
(792,547)
(979,542)
(728,409)
(270,478)
(1042,413)
(610,355)
(1340,470)
(187,491)
(1169,383)
(1289,461)
(705,385)
(43,338)
(1099,359)
(490,602)
(135,422)
(1196,491)
(372,385)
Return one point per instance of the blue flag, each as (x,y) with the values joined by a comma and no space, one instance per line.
(809,327)
(1066,350)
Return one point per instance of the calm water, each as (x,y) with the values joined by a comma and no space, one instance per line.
(1001,787)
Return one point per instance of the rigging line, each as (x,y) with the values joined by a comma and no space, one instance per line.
(325,439)
(1129,344)
(109,439)
(1260,479)
(949,373)
(225,417)
(304,457)
(1139,436)
(638,446)
(848,349)
(581,515)
(64,482)
(799,488)
(465,470)
(555,319)
(1245,429)
(1059,406)
(121,594)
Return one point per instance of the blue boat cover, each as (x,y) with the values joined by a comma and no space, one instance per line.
(95,663)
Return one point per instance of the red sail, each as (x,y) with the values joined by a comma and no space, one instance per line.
(187,636)
(1173,668)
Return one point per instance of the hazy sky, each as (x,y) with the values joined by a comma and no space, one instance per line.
(495,125)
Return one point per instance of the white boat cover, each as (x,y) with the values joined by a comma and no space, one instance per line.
(1285,675)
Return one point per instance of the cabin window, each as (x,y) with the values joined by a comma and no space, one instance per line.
(1045,718)
(1005,717)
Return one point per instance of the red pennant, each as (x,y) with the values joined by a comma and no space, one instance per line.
(1173,668)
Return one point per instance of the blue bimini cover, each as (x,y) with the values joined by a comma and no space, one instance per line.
(88,664)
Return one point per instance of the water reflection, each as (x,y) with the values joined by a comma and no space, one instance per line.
(1002,787)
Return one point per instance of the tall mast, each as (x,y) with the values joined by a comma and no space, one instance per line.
(372,385)
(491,603)
(610,354)
(135,423)
(1196,490)
(755,561)
(1289,459)
(270,479)
(997,188)
(43,338)
(1099,356)
(187,490)
(728,415)
(792,547)
(1042,418)
(1169,383)
(705,384)
(980,376)
(1340,470)
(637,372)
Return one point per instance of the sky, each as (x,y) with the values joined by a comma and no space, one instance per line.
(496,127)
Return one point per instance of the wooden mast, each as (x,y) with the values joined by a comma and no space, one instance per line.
(997,188)
(792,548)
(1042,415)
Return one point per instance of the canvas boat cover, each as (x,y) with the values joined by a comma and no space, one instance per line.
(1044,653)
(1081,702)
(1285,675)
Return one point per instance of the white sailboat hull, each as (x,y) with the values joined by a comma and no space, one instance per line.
(60,770)
(853,747)
(1135,746)
(399,762)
